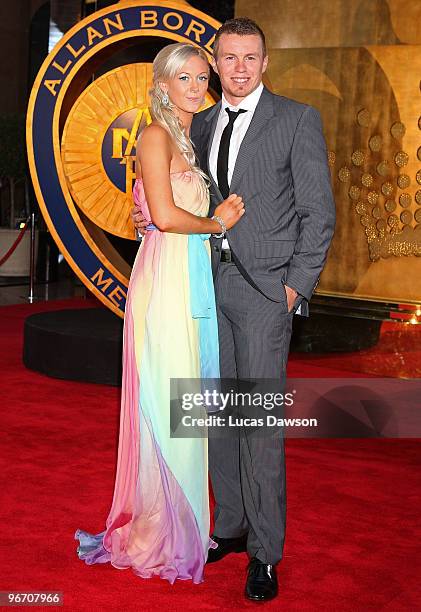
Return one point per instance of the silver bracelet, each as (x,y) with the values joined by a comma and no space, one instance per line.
(222,224)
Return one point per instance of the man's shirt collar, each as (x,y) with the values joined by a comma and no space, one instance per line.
(249,103)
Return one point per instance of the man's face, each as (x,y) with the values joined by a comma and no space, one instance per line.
(240,65)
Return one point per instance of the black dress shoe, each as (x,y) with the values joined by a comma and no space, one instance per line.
(226,546)
(262,583)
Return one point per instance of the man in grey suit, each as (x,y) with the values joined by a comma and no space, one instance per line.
(271,151)
(273,154)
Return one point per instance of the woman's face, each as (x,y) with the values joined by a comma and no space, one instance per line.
(188,88)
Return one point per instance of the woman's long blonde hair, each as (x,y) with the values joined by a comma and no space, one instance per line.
(165,66)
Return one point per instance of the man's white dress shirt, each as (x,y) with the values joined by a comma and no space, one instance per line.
(240,128)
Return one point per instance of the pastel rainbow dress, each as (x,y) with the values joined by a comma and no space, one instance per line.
(159,520)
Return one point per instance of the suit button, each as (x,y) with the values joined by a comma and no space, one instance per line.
(216,248)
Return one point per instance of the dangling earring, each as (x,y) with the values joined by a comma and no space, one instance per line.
(165,99)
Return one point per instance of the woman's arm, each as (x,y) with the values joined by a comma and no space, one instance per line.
(154,155)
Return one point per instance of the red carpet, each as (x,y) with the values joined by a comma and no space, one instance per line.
(353,505)
(397,354)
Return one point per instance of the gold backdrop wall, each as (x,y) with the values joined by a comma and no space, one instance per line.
(359,63)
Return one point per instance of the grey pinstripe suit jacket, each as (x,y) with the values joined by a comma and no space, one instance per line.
(282,174)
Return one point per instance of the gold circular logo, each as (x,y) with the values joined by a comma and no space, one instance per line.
(98,145)
(83,172)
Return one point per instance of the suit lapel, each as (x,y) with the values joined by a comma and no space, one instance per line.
(251,140)
(210,123)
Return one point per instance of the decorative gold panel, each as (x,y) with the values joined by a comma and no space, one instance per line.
(369,99)
(293,24)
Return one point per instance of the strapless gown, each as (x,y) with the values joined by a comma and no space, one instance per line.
(159,520)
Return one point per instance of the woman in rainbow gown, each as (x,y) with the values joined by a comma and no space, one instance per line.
(159,520)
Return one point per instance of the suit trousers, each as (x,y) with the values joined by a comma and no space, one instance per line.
(248,469)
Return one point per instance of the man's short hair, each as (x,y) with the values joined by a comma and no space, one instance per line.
(242,26)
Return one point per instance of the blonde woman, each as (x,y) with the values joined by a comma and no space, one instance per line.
(159,520)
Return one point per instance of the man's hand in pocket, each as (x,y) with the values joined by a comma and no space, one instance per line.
(291,297)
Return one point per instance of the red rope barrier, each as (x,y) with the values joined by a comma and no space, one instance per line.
(15,244)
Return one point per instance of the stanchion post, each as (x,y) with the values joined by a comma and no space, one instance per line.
(32,261)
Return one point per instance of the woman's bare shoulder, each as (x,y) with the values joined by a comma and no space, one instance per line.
(155,132)
(153,150)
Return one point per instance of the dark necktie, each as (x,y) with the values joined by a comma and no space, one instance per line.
(223,153)
(222,174)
